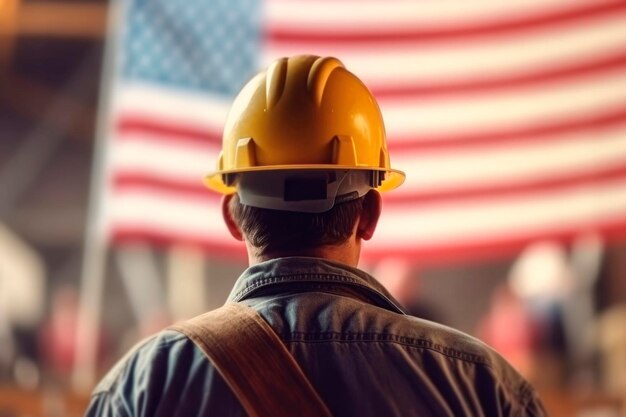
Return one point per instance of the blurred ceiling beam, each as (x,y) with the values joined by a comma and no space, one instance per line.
(49,224)
(22,92)
(8,13)
(38,146)
(61,19)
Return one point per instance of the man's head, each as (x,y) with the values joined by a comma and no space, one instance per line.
(271,233)
(304,149)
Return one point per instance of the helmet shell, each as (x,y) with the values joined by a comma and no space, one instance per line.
(303,113)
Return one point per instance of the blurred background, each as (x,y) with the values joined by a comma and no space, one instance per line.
(509,119)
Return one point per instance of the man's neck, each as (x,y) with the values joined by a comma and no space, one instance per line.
(346,253)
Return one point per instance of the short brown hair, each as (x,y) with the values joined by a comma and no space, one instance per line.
(275,230)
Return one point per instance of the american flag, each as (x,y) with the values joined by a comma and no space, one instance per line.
(509,118)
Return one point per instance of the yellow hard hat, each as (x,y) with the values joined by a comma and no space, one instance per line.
(303,115)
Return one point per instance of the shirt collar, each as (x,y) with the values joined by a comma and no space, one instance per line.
(283,274)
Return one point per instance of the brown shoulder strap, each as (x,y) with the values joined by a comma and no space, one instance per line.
(254,362)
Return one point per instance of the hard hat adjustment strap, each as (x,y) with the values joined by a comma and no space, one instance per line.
(376,178)
(301,190)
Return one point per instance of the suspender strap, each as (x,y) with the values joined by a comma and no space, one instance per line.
(254,362)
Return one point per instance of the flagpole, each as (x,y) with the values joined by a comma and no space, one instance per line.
(96,245)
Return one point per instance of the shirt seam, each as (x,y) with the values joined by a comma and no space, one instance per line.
(524,390)
(525,394)
(409,342)
(121,404)
(259,282)
(119,407)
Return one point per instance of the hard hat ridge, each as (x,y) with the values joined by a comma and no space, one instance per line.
(318,76)
(275,82)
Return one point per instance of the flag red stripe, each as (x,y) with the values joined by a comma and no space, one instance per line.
(165,130)
(123,180)
(549,130)
(470,251)
(129,235)
(543,185)
(126,180)
(439,89)
(491,29)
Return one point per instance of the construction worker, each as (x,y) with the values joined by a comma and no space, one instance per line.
(304,159)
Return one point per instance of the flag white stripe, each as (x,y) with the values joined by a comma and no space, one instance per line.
(195,217)
(347,16)
(138,153)
(170,105)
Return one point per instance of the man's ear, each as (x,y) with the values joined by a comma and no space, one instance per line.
(232,226)
(372,206)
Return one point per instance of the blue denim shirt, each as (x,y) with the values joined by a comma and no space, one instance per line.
(364,356)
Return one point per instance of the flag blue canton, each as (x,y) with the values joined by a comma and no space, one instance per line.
(206,45)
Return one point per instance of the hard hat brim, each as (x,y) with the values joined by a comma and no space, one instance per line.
(214,180)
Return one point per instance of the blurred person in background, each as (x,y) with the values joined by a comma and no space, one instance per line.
(57,335)
(396,276)
(7,348)
(304,158)
(510,328)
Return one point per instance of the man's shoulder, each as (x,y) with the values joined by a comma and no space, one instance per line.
(470,354)
(141,357)
(463,359)
(164,374)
